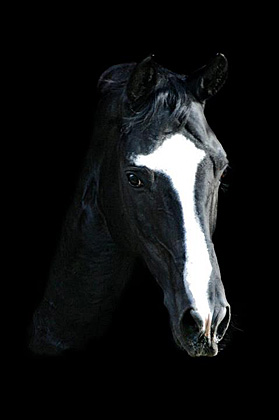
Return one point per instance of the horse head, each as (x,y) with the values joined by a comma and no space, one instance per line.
(159,182)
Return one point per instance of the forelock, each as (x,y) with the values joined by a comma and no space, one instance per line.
(167,101)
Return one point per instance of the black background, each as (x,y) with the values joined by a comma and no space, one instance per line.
(58,58)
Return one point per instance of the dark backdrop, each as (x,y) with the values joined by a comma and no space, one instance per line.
(60,56)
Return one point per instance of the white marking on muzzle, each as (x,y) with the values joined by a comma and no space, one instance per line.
(178,159)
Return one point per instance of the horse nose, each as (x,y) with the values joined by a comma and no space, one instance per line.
(195,334)
(213,328)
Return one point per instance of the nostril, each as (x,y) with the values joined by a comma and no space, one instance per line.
(223,325)
(191,322)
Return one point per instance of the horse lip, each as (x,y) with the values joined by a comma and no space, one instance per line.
(205,347)
(201,345)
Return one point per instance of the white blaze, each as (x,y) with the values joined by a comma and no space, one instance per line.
(178,158)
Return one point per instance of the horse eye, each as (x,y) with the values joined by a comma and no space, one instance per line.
(134,180)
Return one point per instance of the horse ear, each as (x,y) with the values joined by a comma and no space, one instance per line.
(208,80)
(142,79)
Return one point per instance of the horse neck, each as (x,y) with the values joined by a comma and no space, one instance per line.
(86,280)
(87,256)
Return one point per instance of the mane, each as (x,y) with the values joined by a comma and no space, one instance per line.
(169,99)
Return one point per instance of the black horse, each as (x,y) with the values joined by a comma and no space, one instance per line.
(148,192)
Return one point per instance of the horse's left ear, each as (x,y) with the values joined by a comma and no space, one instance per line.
(209,79)
(142,79)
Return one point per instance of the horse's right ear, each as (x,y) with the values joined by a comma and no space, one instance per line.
(208,80)
(142,79)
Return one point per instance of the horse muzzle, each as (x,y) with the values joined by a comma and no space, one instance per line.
(200,337)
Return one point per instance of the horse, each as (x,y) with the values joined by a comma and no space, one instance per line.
(148,192)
